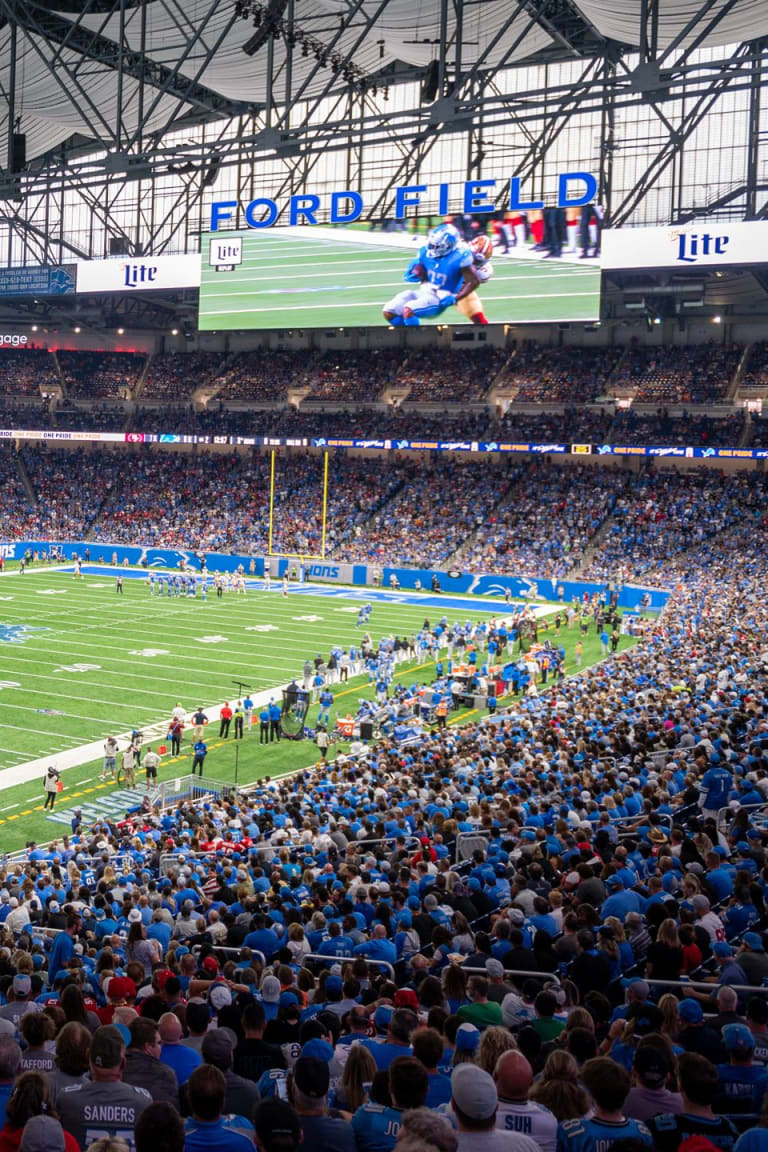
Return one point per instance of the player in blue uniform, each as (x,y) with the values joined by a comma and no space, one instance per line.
(441,274)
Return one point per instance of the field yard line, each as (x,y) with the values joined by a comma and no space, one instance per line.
(64,715)
(141,691)
(378,303)
(535,273)
(90,699)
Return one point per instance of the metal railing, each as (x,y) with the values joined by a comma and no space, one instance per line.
(726,815)
(171,792)
(547,977)
(385,964)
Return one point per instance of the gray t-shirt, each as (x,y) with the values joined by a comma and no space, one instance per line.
(92,1111)
(645,1103)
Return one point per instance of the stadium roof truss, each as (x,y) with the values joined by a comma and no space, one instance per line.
(132,110)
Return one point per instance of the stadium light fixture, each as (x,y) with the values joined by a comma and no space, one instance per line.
(76,330)
(121,331)
(174,331)
(717,319)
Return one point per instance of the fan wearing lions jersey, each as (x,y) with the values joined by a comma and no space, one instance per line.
(103,1106)
(442,274)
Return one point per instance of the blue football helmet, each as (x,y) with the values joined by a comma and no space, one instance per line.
(442,240)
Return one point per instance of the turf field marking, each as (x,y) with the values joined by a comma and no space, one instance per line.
(378,303)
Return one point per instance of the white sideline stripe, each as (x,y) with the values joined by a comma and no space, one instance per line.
(84,753)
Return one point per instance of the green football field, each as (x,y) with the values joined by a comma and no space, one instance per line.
(312,281)
(80,662)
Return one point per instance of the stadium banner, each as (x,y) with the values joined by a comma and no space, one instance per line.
(304,570)
(470,583)
(358,575)
(38,280)
(707,243)
(688,452)
(457,252)
(144,273)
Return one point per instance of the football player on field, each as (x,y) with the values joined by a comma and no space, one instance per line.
(443,273)
(471,305)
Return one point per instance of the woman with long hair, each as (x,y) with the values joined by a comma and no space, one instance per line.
(72,1005)
(140,950)
(73,1047)
(454,987)
(665,955)
(626,955)
(560,1089)
(31,1096)
(353,1088)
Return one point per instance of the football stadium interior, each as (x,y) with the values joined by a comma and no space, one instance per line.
(383,567)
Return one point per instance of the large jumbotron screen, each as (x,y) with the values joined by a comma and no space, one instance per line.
(330,277)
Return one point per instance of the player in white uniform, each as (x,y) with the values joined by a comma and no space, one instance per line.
(471,305)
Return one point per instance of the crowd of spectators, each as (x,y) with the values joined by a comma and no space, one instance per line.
(71,488)
(174,376)
(528,516)
(343,377)
(110,375)
(694,374)
(559,375)
(544,930)
(544,523)
(27,372)
(755,374)
(263,375)
(631,427)
(659,516)
(458,376)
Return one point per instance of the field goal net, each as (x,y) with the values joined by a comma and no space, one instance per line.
(298,507)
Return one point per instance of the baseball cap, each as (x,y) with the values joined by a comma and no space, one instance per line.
(406,998)
(690,1012)
(219,996)
(210,964)
(738,1038)
(106,1047)
(42,1134)
(134,916)
(382,1017)
(652,1066)
(21,985)
(722,949)
(474,1091)
(334,985)
(288,1000)
(121,988)
(495,969)
(311,1077)
(317,1049)
(754,941)
(217,1047)
(467,1038)
(270,989)
(277,1126)
(638,987)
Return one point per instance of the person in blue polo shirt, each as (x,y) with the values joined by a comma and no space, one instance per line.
(177,1056)
(207,1129)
